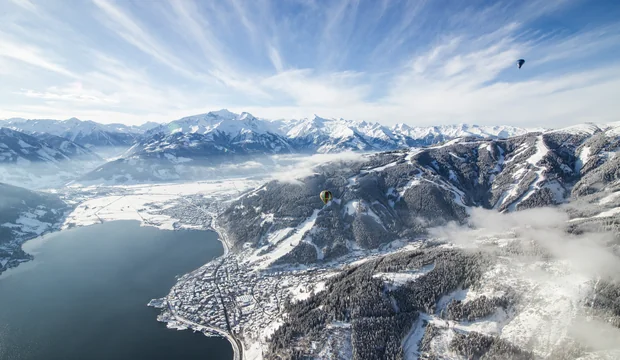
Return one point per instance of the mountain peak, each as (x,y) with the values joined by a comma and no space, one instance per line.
(224,113)
(401,126)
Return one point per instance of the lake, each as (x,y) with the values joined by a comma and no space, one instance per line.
(85,294)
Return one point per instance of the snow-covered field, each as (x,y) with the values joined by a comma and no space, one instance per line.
(143,202)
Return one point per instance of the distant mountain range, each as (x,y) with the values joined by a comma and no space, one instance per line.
(42,160)
(321,135)
(177,150)
(86,133)
(164,152)
(227,129)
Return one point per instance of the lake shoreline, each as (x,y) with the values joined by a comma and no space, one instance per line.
(58,252)
(236,343)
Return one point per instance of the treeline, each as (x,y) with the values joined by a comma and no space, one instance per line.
(474,345)
(452,269)
(381,337)
(477,308)
(379,318)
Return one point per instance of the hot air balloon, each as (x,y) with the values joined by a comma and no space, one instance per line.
(326,196)
(520,63)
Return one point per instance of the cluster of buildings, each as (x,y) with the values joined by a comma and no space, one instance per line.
(253,299)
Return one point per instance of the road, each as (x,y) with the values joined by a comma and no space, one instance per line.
(237,348)
(234,341)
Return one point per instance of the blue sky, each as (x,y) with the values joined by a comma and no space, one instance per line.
(417,62)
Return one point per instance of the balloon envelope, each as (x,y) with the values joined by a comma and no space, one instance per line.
(326,196)
(520,63)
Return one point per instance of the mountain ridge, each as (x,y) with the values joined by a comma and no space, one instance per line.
(226,137)
(42,160)
(87,133)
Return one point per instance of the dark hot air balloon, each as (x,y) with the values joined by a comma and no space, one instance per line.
(326,196)
(520,63)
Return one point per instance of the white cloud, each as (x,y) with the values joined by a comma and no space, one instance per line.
(293,168)
(379,61)
(26,4)
(130,30)
(587,254)
(31,55)
(275,58)
(306,89)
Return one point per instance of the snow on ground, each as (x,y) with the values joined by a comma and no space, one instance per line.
(609,198)
(587,129)
(448,143)
(319,252)
(351,181)
(557,190)
(137,201)
(550,303)
(413,182)
(413,152)
(401,278)
(223,187)
(303,291)
(351,207)
(550,295)
(584,154)
(278,235)
(610,212)
(541,151)
(266,218)
(252,351)
(368,211)
(31,224)
(271,329)
(458,157)
(355,207)
(381,168)
(412,340)
(126,207)
(286,245)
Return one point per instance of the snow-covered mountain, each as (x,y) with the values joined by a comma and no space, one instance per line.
(183,156)
(214,133)
(223,136)
(20,148)
(323,135)
(437,183)
(41,161)
(216,122)
(192,146)
(86,133)
(320,135)
(533,284)
(420,136)
(334,135)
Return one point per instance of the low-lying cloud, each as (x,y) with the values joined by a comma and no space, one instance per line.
(587,253)
(555,262)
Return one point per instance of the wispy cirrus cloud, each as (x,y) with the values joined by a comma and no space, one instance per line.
(417,62)
(30,55)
